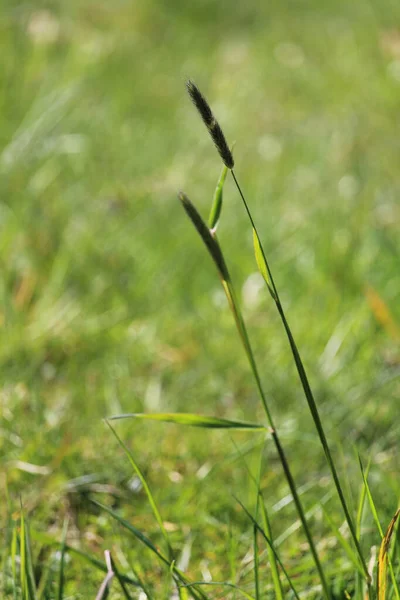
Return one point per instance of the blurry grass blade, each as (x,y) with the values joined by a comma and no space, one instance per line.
(261,262)
(62,562)
(217,200)
(383,558)
(192,420)
(206,235)
(146,488)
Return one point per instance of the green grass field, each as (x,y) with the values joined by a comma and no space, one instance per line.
(110,304)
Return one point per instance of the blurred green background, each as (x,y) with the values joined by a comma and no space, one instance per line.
(110,304)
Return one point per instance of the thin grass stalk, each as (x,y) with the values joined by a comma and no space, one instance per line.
(307,391)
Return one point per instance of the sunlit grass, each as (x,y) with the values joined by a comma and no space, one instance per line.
(109,307)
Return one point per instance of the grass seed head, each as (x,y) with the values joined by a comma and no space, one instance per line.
(211,123)
(210,242)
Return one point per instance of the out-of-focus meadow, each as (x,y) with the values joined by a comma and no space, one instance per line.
(109,303)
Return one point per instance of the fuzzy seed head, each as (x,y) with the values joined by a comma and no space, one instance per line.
(211,123)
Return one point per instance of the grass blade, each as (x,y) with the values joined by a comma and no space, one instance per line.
(192,420)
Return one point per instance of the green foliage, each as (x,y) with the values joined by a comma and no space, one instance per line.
(108,305)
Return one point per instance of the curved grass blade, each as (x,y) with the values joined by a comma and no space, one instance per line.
(192,420)
(383,559)
(146,488)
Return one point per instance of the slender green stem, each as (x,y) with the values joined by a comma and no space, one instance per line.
(308,393)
